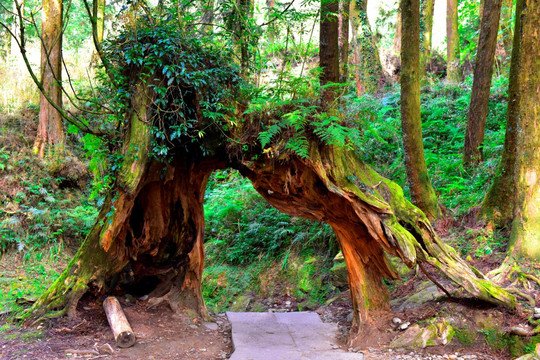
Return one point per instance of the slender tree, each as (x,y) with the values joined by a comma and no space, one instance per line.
(344,39)
(50,128)
(428,7)
(453,70)
(328,46)
(422,192)
(525,234)
(483,70)
(368,60)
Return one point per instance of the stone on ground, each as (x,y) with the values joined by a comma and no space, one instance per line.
(284,336)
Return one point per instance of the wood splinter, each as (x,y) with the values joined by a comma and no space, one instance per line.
(123,335)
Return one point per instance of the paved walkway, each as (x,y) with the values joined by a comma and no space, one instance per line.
(284,336)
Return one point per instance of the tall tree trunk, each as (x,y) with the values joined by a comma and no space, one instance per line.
(422,192)
(344,40)
(50,128)
(525,234)
(328,47)
(483,70)
(498,205)
(368,61)
(453,70)
(428,7)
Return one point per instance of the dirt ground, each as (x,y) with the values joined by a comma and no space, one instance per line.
(161,334)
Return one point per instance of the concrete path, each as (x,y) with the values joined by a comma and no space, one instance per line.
(284,336)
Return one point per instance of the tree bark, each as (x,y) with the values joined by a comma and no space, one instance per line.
(422,192)
(427,20)
(525,233)
(328,47)
(50,127)
(453,70)
(150,229)
(344,25)
(483,70)
(498,205)
(368,60)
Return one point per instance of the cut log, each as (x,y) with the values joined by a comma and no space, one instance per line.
(123,335)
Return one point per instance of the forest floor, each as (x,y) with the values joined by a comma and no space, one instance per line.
(482,330)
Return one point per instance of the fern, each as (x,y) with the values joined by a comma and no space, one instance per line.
(265,137)
(299,145)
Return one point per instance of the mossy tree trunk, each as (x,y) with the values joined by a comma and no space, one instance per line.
(148,238)
(483,70)
(422,192)
(525,234)
(50,136)
(498,204)
(368,61)
(453,69)
(344,25)
(371,219)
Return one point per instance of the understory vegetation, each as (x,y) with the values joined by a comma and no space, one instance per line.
(253,250)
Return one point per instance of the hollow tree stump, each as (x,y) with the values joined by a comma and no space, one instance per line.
(123,335)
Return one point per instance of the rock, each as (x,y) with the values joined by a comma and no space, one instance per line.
(425,292)
(537,310)
(404,326)
(241,304)
(350,316)
(417,337)
(518,330)
(396,321)
(211,326)
(338,275)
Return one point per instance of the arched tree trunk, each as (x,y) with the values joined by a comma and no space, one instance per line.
(150,229)
(50,128)
(483,70)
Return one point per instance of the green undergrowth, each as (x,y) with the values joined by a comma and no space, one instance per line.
(42,202)
(255,252)
(444,120)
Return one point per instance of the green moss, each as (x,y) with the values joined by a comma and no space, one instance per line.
(465,336)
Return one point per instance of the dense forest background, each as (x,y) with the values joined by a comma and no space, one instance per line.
(417,90)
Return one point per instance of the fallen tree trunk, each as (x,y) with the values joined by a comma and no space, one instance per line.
(122,332)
